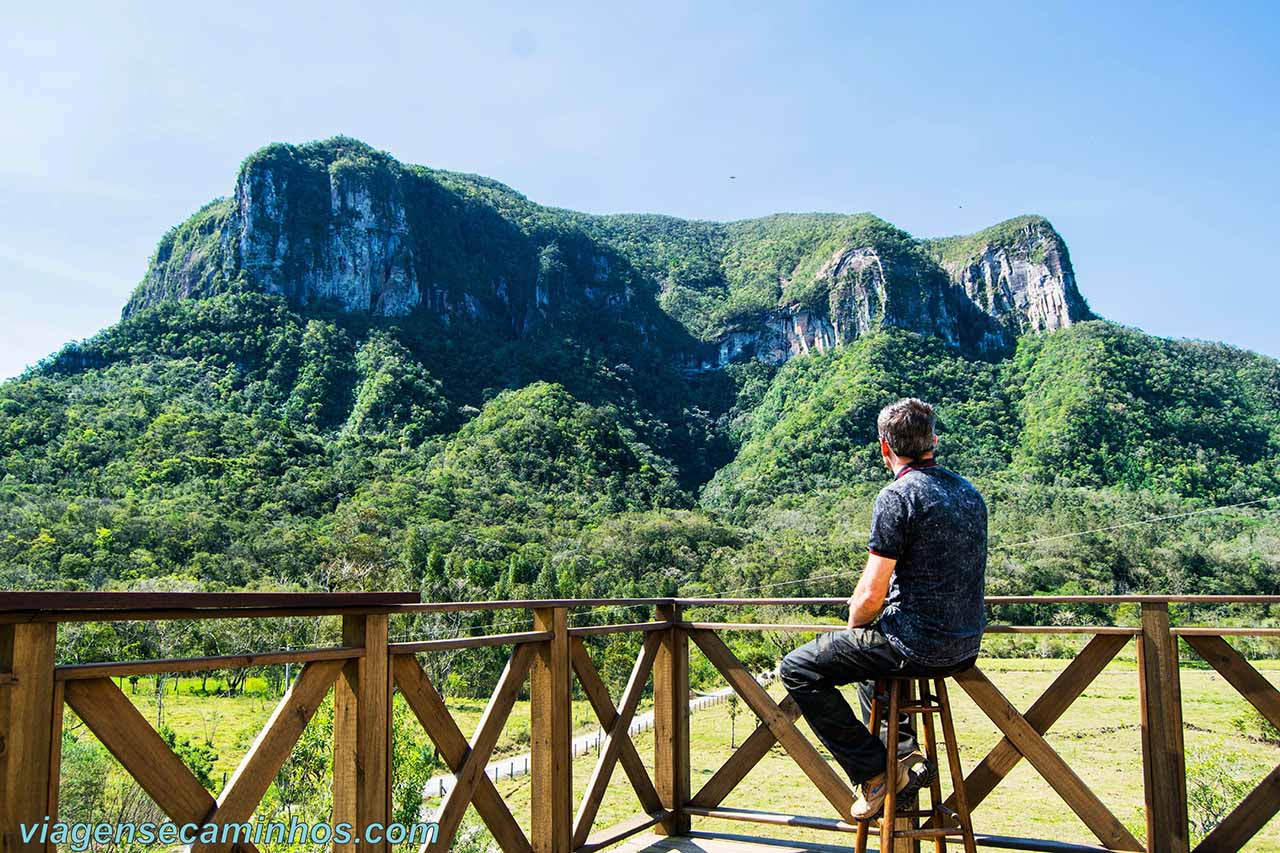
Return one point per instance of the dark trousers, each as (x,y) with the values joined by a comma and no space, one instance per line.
(813,675)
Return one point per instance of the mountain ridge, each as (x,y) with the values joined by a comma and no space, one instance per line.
(337,221)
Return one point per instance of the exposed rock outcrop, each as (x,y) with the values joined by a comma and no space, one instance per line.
(1019,272)
(349,245)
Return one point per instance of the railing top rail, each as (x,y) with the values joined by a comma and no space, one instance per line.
(1006,599)
(529,604)
(112,606)
(44,606)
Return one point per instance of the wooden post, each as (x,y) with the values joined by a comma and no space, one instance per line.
(550,712)
(27,712)
(671,722)
(1163,761)
(362,732)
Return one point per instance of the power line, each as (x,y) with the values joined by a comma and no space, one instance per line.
(852,572)
(1024,543)
(1137,523)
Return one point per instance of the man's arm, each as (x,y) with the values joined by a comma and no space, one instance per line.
(872,587)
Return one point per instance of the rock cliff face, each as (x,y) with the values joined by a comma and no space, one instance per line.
(339,225)
(313,232)
(353,248)
(857,289)
(1018,272)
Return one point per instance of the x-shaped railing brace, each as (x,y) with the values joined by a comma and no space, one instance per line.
(1023,738)
(144,754)
(468,760)
(1263,802)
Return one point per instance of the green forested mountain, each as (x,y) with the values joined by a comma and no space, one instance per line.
(357,373)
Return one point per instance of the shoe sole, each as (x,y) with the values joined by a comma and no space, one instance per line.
(914,784)
(917,783)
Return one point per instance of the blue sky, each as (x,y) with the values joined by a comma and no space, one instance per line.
(1146,133)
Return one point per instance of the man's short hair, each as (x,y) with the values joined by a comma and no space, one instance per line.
(907,427)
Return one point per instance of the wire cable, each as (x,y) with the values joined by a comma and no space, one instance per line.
(852,572)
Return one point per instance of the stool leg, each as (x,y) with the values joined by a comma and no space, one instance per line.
(931,753)
(914,803)
(957,772)
(860,841)
(887,818)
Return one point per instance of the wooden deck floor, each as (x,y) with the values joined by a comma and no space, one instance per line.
(704,842)
(715,842)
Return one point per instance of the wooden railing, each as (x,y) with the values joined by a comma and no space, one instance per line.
(365,670)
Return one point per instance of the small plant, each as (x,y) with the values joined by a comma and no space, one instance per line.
(1216,783)
(199,757)
(1252,724)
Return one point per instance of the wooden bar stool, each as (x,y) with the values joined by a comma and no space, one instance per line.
(900,696)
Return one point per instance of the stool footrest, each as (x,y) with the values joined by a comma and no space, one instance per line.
(926,699)
(927,833)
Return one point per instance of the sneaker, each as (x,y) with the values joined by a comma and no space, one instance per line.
(871,801)
(921,772)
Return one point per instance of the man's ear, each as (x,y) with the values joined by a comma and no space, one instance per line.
(885,450)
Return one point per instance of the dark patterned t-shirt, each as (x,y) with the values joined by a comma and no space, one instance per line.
(934,523)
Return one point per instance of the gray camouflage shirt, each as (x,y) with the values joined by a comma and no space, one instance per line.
(934,523)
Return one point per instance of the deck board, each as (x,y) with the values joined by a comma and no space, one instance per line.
(718,842)
(699,842)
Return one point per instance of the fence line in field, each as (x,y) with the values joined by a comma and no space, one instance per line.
(513,767)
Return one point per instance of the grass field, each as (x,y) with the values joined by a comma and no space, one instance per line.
(1098,736)
(231,723)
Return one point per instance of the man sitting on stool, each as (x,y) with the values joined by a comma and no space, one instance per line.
(924,579)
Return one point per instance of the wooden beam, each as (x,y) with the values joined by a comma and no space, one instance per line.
(26,607)
(776,818)
(481,747)
(1074,792)
(758,700)
(1160,708)
(439,725)
(607,713)
(115,669)
(416,646)
(1240,674)
(26,739)
(621,628)
(830,628)
(258,768)
(620,831)
(362,731)
(55,751)
(1042,714)
(671,721)
(115,721)
(615,735)
(346,691)
(745,757)
(551,806)
(134,602)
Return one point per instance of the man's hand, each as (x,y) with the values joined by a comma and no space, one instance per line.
(873,586)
